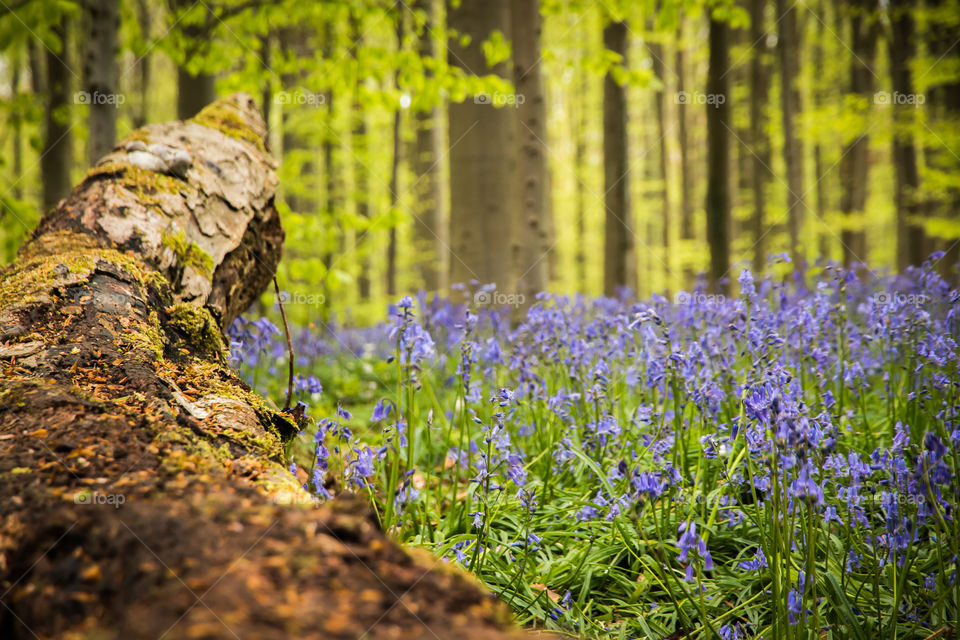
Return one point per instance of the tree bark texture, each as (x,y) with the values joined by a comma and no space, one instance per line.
(57,157)
(855,163)
(482,140)
(790,111)
(428,227)
(911,239)
(718,157)
(619,257)
(533,239)
(100,72)
(143,481)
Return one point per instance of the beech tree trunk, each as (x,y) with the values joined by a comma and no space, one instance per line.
(663,174)
(759,136)
(533,241)
(361,169)
(142,65)
(619,259)
(718,157)
(428,228)
(855,163)
(395,161)
(143,481)
(57,157)
(911,239)
(100,73)
(686,180)
(790,110)
(482,139)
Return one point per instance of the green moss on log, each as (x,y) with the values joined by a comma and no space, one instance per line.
(60,259)
(221,117)
(189,253)
(136,179)
(196,323)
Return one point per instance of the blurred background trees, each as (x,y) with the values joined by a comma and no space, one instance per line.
(539,144)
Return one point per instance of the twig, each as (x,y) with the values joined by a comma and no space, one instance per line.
(286,328)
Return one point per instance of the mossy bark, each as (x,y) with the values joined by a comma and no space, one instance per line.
(143,484)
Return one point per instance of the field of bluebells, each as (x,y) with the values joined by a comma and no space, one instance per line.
(779,464)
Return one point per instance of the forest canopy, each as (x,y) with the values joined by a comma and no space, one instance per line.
(671,138)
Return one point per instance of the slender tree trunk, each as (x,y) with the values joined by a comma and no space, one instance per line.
(360,169)
(17,122)
(855,165)
(760,136)
(718,157)
(790,110)
(100,72)
(482,167)
(580,123)
(142,65)
(266,95)
(619,259)
(429,232)
(332,194)
(56,159)
(819,82)
(663,177)
(686,182)
(193,92)
(911,239)
(532,238)
(151,465)
(296,149)
(395,175)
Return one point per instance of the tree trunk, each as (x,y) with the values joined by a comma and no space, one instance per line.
(56,159)
(361,169)
(428,225)
(759,137)
(100,72)
(718,157)
(532,237)
(482,168)
(619,260)
(580,123)
(663,174)
(142,476)
(686,182)
(855,164)
(790,111)
(266,93)
(194,91)
(911,240)
(16,121)
(821,81)
(395,175)
(141,116)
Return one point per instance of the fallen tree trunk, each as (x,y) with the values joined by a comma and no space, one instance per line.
(144,493)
